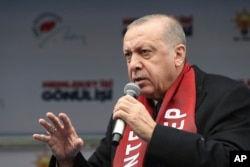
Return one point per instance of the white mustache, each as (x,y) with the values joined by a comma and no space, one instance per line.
(136,75)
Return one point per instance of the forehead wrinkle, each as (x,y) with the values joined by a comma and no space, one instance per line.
(138,42)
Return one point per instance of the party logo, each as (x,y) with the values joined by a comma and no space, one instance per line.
(49,28)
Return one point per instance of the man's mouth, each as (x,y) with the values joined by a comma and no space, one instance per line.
(138,80)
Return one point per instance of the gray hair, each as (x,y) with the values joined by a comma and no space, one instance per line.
(174,33)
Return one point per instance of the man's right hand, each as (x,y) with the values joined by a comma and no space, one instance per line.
(62,138)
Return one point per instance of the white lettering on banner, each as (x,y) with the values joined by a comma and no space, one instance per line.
(131,148)
(132,158)
(175,114)
(132,136)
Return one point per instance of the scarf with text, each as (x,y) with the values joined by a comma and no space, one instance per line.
(177,111)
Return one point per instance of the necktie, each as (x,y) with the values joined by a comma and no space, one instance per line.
(157,107)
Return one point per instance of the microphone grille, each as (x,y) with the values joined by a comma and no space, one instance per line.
(132,88)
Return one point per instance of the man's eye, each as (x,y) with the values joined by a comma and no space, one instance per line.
(127,55)
(144,51)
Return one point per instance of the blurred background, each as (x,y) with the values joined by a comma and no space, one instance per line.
(66,56)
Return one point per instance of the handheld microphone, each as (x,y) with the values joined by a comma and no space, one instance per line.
(133,90)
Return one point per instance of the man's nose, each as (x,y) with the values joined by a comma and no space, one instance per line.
(135,62)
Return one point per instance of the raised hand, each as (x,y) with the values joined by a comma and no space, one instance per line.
(62,137)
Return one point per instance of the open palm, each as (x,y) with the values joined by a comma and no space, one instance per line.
(62,137)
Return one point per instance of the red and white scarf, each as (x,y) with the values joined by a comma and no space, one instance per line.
(177,111)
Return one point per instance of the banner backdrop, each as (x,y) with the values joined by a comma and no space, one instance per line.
(66,56)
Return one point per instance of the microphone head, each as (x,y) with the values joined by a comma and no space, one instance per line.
(132,89)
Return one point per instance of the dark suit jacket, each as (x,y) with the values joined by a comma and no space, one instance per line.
(223,124)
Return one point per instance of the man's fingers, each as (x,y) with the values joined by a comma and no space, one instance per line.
(46,125)
(55,120)
(49,127)
(41,137)
(66,121)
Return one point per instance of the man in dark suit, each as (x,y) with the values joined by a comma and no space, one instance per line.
(201,118)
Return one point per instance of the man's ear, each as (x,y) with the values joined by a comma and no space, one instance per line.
(180,54)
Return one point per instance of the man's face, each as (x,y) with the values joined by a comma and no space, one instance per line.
(151,64)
